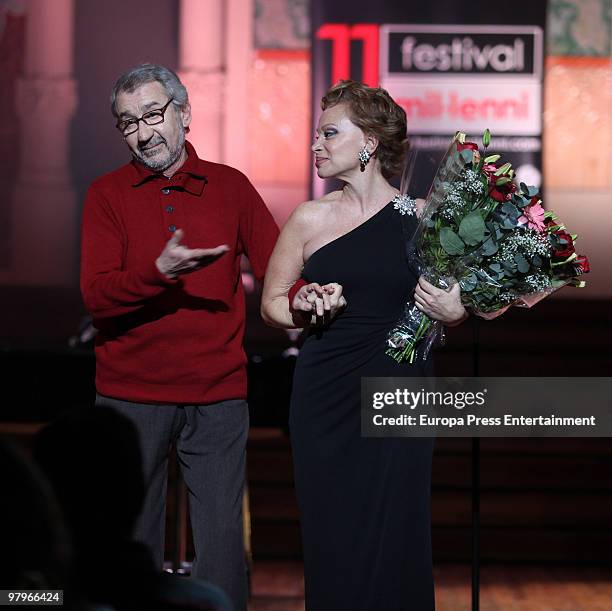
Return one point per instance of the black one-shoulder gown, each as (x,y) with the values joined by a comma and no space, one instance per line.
(364,502)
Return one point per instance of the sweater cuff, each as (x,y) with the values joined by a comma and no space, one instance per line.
(294,290)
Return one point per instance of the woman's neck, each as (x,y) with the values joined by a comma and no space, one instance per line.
(370,190)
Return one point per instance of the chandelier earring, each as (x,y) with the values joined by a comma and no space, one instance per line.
(364,157)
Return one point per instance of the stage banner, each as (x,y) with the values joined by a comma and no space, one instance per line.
(451,66)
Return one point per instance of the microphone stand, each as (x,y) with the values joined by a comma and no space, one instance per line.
(475,478)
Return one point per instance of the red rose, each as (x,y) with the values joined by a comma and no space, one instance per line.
(582,264)
(563,250)
(498,195)
(501,193)
(466,145)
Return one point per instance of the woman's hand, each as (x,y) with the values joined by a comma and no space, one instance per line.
(440,304)
(323,303)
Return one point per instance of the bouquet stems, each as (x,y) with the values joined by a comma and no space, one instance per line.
(406,337)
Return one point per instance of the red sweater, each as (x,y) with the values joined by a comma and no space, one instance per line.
(162,340)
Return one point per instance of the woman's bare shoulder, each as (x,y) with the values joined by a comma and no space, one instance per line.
(313,211)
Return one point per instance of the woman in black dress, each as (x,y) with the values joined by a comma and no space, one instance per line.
(364,502)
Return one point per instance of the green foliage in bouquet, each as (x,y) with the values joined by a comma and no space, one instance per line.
(480,229)
(495,238)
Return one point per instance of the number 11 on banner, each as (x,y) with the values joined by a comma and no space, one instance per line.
(341,35)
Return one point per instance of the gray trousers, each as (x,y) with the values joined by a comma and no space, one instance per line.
(211,446)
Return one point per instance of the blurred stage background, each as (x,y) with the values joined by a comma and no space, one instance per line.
(247,66)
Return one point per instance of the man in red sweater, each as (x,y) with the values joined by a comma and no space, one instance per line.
(171,317)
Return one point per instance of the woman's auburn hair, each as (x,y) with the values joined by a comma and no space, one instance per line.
(375,112)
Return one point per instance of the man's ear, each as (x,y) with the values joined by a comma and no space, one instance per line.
(186,114)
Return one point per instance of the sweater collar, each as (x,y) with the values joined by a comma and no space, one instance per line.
(189,176)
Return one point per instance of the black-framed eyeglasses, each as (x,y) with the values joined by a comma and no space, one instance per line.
(153,117)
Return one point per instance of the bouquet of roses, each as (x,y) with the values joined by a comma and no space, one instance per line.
(495,239)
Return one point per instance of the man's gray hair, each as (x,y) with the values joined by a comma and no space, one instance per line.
(149,73)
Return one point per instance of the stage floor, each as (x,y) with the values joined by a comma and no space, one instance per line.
(279,586)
